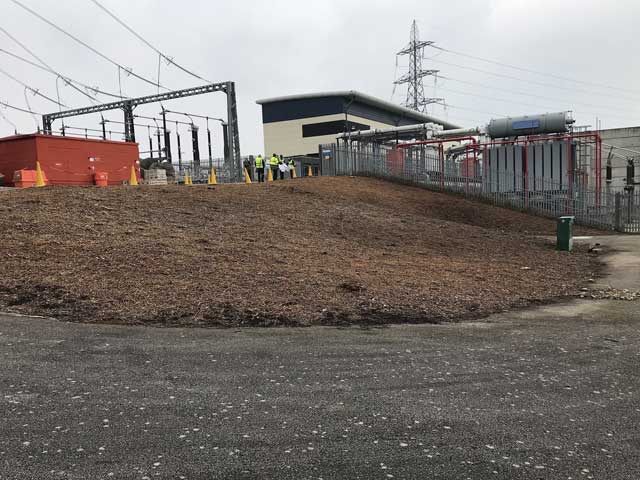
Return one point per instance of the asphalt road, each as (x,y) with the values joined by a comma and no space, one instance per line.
(551,393)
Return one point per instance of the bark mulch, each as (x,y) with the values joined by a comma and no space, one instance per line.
(293,253)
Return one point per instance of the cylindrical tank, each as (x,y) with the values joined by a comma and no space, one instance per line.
(545,123)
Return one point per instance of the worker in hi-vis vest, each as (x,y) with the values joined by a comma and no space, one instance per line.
(292,167)
(274,164)
(260,168)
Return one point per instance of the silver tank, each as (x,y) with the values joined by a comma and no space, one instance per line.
(545,123)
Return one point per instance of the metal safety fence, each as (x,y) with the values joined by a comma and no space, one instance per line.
(520,190)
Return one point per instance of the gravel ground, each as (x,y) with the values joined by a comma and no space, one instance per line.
(326,251)
(546,395)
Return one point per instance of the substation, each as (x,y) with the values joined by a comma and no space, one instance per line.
(542,163)
(78,156)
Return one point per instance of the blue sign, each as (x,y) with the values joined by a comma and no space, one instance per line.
(526,124)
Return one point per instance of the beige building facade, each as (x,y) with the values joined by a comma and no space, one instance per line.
(298,125)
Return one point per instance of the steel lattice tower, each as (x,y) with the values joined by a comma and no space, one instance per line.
(415,77)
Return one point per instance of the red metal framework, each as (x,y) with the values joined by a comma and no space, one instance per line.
(474,148)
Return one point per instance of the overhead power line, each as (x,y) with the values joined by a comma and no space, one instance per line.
(18,109)
(514,102)
(24,47)
(68,80)
(532,95)
(15,127)
(455,107)
(168,59)
(87,46)
(535,72)
(35,91)
(532,82)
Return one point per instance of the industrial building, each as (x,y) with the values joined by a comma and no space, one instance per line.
(295,125)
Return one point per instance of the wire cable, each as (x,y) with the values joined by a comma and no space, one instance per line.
(496,99)
(535,72)
(68,80)
(33,115)
(168,59)
(86,45)
(35,91)
(18,109)
(15,128)
(24,47)
(532,82)
(531,95)
(448,105)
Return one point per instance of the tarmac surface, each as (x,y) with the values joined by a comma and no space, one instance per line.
(550,393)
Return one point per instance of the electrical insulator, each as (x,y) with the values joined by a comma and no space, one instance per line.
(631,173)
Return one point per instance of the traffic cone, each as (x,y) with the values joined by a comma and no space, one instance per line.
(39,176)
(212,177)
(247,178)
(309,171)
(133,179)
(293,172)
(269,175)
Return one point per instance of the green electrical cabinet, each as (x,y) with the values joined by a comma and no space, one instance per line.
(565,234)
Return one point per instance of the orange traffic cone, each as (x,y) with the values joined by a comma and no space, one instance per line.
(39,176)
(269,175)
(133,179)
(247,178)
(212,177)
(309,171)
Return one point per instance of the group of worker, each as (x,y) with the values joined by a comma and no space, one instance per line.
(277,164)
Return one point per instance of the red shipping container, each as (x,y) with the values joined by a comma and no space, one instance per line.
(68,160)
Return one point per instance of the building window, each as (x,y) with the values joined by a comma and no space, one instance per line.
(331,128)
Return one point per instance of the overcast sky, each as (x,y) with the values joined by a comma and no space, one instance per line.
(274,48)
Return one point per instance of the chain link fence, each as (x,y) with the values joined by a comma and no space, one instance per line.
(464,175)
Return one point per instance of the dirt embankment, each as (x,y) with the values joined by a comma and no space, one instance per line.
(312,251)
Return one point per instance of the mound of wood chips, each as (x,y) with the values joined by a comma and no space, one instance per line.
(301,252)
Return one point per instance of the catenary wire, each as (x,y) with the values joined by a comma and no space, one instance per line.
(86,45)
(536,72)
(514,102)
(15,127)
(35,91)
(532,82)
(26,49)
(532,95)
(147,43)
(18,109)
(68,80)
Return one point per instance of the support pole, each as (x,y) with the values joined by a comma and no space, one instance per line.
(466,168)
(569,177)
(129,128)
(150,142)
(209,145)
(441,158)
(233,139)
(196,148)
(167,138)
(225,139)
(179,148)
(525,154)
(159,144)
(46,124)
